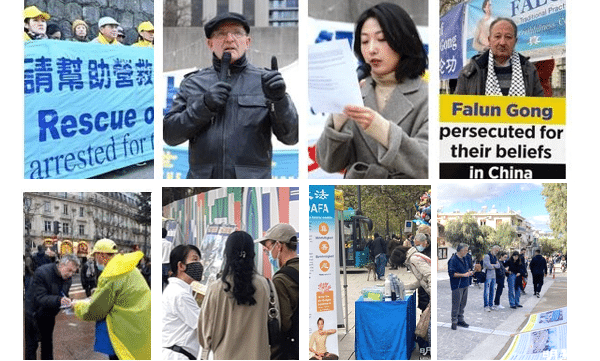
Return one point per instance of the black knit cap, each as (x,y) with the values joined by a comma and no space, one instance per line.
(214,23)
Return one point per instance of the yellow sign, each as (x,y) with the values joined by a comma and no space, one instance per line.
(500,109)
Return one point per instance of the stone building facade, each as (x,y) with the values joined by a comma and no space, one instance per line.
(83,216)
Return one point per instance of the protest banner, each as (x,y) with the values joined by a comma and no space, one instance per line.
(451,42)
(541,30)
(323,278)
(546,344)
(484,137)
(89,108)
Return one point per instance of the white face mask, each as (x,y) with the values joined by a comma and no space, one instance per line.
(420,248)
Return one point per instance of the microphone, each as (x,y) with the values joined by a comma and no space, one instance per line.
(225,60)
(274,63)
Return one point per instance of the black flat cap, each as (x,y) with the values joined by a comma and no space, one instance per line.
(214,23)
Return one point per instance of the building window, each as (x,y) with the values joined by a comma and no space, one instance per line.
(283,12)
(65,228)
(80,211)
(66,209)
(81,229)
(48,226)
(47,207)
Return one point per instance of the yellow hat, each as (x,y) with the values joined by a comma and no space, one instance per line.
(34,12)
(104,245)
(145,26)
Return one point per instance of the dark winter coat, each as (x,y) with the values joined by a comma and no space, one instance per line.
(472,78)
(236,142)
(538,265)
(47,288)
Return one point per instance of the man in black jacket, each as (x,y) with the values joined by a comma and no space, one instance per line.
(500,70)
(48,292)
(228,112)
(539,270)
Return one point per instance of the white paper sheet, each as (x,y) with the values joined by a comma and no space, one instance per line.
(332,80)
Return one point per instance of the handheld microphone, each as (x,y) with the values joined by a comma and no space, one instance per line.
(274,63)
(225,60)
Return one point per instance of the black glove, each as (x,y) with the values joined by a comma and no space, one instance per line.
(216,96)
(273,85)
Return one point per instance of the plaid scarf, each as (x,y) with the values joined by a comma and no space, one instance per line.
(517,85)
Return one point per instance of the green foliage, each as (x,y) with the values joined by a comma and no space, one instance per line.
(387,206)
(466,230)
(505,236)
(556,205)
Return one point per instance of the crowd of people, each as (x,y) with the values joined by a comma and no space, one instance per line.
(110,31)
(243,315)
(117,285)
(494,271)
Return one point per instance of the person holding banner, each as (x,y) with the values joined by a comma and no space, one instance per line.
(146,35)
(35,23)
(239,308)
(228,112)
(108,31)
(500,71)
(80,31)
(388,136)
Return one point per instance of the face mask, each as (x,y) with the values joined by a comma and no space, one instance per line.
(194,270)
(273,259)
(420,248)
(101,267)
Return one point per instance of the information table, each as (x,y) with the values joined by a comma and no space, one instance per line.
(385,330)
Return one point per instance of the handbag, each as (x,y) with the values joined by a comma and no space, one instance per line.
(273,317)
(423,325)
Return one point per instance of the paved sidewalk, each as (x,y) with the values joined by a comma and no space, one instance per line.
(490,333)
(357,280)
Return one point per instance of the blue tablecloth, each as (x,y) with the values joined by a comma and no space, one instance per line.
(385,330)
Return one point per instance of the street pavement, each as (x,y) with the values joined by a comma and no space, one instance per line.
(490,333)
(357,280)
(74,339)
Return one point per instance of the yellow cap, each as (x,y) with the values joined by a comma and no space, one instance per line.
(145,26)
(34,12)
(105,245)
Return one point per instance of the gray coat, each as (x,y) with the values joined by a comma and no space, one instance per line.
(472,77)
(362,156)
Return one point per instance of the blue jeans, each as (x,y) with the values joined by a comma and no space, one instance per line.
(488,292)
(514,292)
(380,262)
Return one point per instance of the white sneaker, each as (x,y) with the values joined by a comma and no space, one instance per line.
(494,308)
(488,309)
(500,307)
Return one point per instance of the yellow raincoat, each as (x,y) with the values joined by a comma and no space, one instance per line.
(123,298)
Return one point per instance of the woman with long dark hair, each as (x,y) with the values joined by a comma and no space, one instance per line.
(234,317)
(388,137)
(514,271)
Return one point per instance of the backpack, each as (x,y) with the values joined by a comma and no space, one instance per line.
(290,339)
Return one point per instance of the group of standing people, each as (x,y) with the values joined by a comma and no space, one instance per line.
(243,314)
(496,267)
(110,31)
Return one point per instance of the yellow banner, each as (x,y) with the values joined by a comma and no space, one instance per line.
(501,109)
